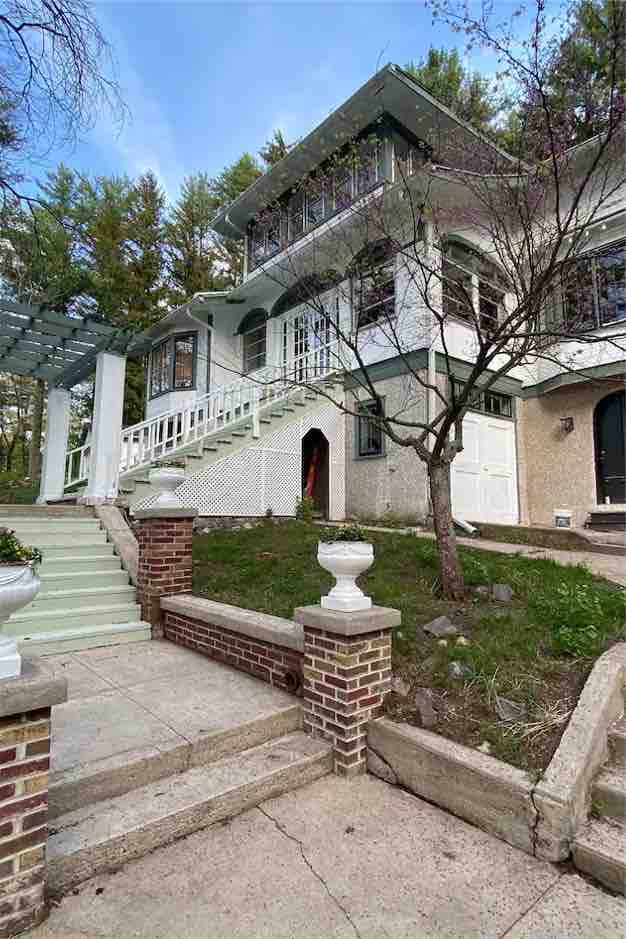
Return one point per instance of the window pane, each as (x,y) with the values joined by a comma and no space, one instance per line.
(254,348)
(183,361)
(370,436)
(296,215)
(456,289)
(611,283)
(376,298)
(490,302)
(497,404)
(577,295)
(342,184)
(160,371)
(367,165)
(315,203)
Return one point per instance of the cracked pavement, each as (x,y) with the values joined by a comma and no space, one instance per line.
(339,859)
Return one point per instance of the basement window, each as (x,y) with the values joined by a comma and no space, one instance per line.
(370,438)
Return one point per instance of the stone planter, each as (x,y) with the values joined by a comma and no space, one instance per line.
(19,584)
(345,560)
(166,479)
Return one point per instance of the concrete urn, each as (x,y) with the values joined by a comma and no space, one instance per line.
(19,585)
(345,560)
(166,479)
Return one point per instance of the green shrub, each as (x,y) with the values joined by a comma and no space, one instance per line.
(305,509)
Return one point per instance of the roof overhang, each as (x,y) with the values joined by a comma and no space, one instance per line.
(40,343)
(391,91)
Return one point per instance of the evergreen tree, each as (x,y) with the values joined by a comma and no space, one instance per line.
(442,73)
(275,149)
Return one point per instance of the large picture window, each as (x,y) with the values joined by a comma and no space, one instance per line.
(173,365)
(593,288)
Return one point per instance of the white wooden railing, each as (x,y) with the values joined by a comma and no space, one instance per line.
(162,436)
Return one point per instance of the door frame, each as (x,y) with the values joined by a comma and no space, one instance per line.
(600,495)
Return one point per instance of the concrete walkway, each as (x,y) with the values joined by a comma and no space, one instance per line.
(613,567)
(340,859)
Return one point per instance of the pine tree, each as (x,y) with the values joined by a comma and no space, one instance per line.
(442,74)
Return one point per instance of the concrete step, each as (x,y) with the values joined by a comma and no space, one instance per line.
(86,784)
(600,851)
(64,550)
(74,639)
(61,525)
(47,537)
(106,560)
(608,795)
(47,511)
(80,580)
(91,596)
(617,742)
(102,838)
(31,624)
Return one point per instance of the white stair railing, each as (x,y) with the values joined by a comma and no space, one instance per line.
(165,434)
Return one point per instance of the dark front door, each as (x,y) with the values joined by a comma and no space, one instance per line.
(610,432)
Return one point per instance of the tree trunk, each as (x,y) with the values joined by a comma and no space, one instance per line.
(452,583)
(34,454)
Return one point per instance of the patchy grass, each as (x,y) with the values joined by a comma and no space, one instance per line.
(559,538)
(536,650)
(14,490)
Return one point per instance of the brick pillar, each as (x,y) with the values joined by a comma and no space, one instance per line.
(164,565)
(25,705)
(347,674)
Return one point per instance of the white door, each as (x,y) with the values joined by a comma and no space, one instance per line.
(484,474)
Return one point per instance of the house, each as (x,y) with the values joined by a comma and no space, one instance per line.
(243,385)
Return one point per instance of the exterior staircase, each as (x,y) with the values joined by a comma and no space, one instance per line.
(600,848)
(86,598)
(222,444)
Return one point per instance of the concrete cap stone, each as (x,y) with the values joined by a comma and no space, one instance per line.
(348,624)
(280,632)
(32,690)
(184,511)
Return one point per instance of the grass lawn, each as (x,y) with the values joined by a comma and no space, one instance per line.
(536,650)
(17,491)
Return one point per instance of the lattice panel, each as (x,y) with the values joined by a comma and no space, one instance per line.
(267,474)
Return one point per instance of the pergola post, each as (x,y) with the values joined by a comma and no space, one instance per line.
(106,429)
(57,429)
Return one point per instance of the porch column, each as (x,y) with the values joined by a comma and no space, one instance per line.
(57,430)
(106,429)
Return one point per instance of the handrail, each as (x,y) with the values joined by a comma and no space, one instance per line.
(167,433)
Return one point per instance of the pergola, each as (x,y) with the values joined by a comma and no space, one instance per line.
(38,342)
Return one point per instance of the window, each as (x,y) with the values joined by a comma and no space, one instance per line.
(593,288)
(173,365)
(367,165)
(490,402)
(315,207)
(296,215)
(184,358)
(160,369)
(370,438)
(375,286)
(471,286)
(342,186)
(254,332)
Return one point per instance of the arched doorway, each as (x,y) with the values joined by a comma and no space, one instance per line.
(315,470)
(610,441)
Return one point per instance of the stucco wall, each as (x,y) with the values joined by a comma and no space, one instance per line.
(558,468)
(396,482)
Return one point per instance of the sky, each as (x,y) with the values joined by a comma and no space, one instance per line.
(206,81)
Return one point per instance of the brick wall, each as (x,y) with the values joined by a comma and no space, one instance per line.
(266,660)
(345,682)
(165,563)
(24,764)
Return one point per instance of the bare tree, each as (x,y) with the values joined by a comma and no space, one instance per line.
(466,245)
(56,76)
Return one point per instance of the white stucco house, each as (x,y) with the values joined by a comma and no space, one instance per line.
(222,371)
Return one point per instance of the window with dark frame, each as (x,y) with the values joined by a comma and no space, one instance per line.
(593,288)
(370,437)
(173,364)
(489,402)
(468,278)
(375,291)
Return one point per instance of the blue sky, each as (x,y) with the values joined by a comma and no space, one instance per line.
(206,81)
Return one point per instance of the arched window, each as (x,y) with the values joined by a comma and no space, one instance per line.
(472,286)
(253,329)
(306,289)
(373,269)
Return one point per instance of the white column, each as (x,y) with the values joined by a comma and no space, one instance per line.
(106,429)
(57,430)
